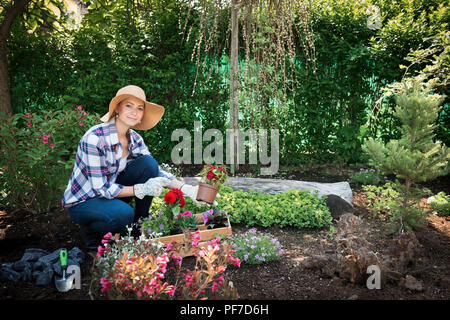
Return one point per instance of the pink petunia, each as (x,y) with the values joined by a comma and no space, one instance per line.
(79,107)
(80,123)
(107,236)
(52,145)
(28,124)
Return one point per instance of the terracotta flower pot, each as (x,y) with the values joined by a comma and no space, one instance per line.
(206,192)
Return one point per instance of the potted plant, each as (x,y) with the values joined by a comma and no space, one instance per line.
(171,224)
(212,178)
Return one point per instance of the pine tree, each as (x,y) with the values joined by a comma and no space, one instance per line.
(414,157)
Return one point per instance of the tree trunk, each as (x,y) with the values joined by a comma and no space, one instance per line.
(5,96)
(234,90)
(5,27)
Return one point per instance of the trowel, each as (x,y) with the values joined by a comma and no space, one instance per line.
(65,283)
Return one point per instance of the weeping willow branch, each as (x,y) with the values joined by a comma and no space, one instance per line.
(272,34)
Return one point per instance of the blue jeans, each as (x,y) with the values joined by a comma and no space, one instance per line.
(103,215)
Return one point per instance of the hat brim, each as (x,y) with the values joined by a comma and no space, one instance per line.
(152,112)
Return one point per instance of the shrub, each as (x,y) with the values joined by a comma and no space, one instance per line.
(38,153)
(367,176)
(255,247)
(441,204)
(296,208)
(143,269)
(387,203)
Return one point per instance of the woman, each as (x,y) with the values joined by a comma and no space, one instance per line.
(113,165)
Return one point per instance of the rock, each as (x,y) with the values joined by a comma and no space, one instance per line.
(338,206)
(411,283)
(354,297)
(272,186)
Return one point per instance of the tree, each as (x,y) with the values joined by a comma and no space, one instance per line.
(270,35)
(415,157)
(8,15)
(44,15)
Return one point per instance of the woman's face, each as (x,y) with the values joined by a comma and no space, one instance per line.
(131,111)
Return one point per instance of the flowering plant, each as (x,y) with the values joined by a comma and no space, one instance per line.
(186,220)
(368,176)
(38,153)
(215,176)
(170,218)
(141,269)
(255,247)
(214,218)
(155,225)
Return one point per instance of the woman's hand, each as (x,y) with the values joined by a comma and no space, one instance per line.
(153,187)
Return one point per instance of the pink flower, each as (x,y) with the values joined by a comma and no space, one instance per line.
(45,141)
(28,124)
(107,236)
(84,113)
(170,290)
(215,286)
(235,261)
(52,145)
(186,214)
(81,123)
(79,107)
(60,123)
(28,115)
(100,251)
(105,284)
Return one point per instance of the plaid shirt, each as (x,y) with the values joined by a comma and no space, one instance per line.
(97,163)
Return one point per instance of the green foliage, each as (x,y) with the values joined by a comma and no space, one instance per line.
(296,208)
(441,204)
(387,202)
(415,157)
(367,176)
(325,119)
(38,154)
(254,247)
(156,225)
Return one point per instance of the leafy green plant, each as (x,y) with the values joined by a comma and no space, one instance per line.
(441,204)
(296,208)
(367,176)
(156,225)
(214,218)
(387,203)
(38,153)
(254,247)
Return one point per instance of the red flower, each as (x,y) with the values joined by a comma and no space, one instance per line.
(170,198)
(178,193)
(211,175)
(182,203)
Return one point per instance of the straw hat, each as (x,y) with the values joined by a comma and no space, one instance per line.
(152,112)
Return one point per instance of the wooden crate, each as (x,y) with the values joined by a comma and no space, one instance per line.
(205,235)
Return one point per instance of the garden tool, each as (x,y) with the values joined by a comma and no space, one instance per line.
(63,284)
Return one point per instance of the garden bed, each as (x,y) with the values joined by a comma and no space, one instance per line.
(283,279)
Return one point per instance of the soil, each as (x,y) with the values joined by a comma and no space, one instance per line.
(284,279)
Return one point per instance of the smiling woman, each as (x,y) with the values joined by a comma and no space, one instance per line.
(112,162)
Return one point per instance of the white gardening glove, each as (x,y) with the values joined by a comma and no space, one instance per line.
(153,187)
(191,192)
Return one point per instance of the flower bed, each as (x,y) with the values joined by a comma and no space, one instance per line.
(205,235)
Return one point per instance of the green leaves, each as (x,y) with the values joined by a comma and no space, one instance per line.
(296,208)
